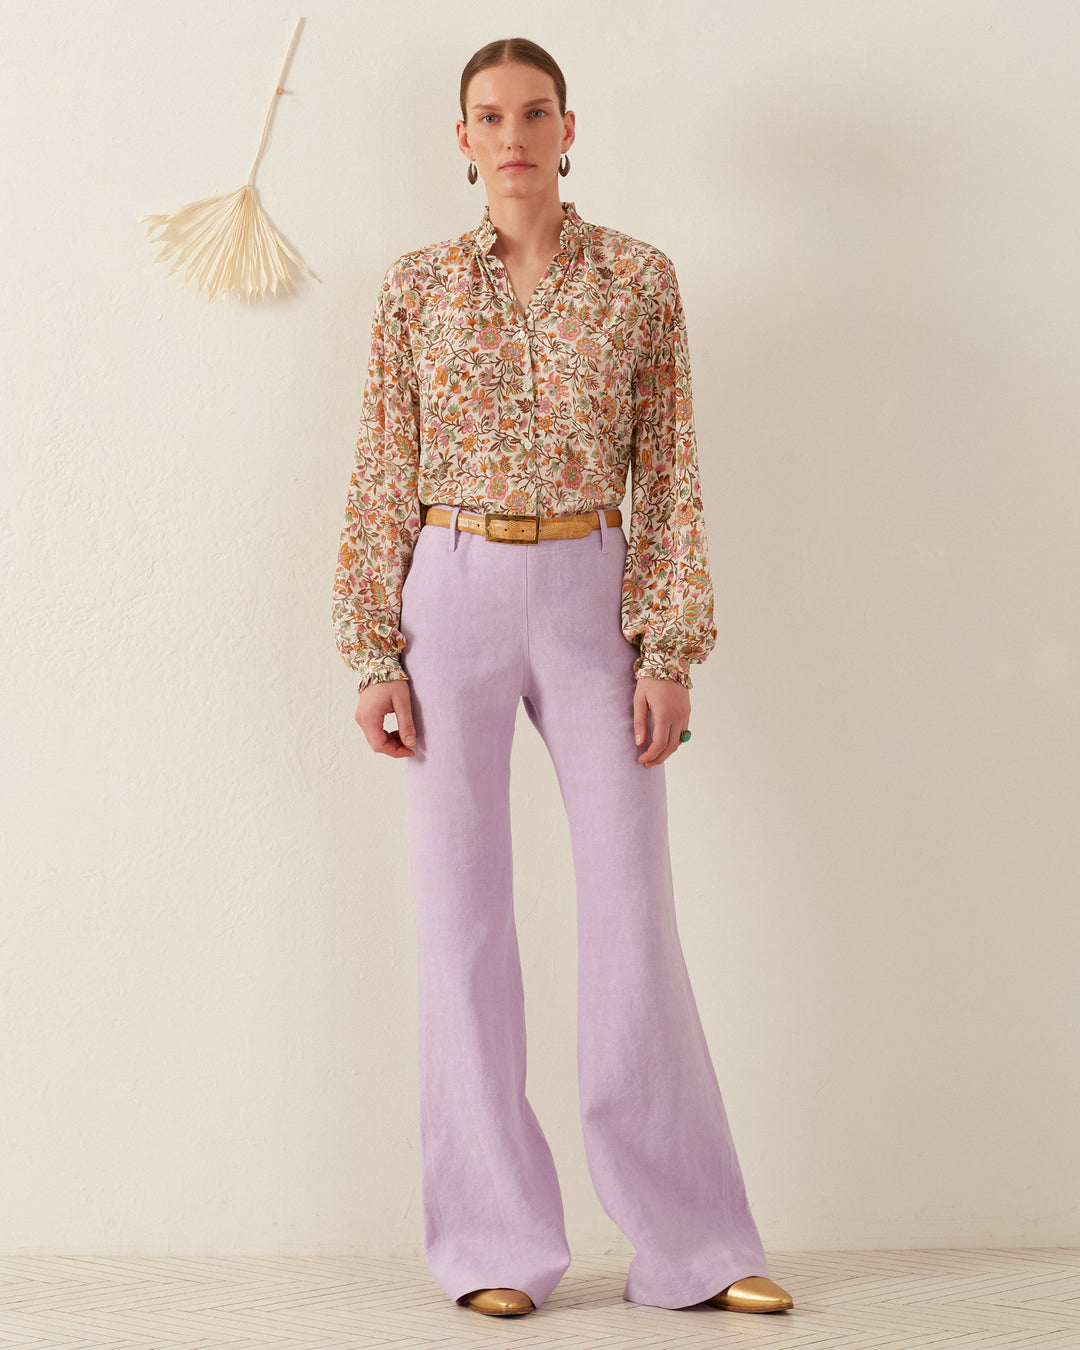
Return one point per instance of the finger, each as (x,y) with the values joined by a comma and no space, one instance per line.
(393,743)
(673,744)
(658,744)
(403,711)
(380,740)
(641,713)
(668,748)
(374,734)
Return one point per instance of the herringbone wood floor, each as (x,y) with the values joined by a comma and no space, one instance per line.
(866,1300)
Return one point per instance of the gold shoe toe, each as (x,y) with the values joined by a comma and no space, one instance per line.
(500,1302)
(753,1293)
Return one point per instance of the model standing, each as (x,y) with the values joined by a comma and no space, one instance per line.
(518,374)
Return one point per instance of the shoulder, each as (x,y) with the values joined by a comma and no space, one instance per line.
(637,263)
(429,266)
(619,244)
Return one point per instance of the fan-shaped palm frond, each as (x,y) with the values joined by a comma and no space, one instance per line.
(226,243)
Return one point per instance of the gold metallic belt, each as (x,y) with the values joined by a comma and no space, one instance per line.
(503,528)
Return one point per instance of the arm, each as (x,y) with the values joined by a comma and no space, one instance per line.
(667,600)
(382,512)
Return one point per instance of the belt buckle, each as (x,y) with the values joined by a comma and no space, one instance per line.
(489,516)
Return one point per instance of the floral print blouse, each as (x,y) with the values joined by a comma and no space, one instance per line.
(473,400)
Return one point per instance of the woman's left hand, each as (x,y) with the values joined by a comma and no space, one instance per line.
(669,702)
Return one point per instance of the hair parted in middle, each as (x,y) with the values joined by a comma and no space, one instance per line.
(502,50)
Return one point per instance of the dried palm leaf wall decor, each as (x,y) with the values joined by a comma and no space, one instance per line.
(226,243)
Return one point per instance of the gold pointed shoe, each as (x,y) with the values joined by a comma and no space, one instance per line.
(753,1293)
(501,1302)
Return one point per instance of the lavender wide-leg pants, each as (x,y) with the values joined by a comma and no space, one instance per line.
(488,624)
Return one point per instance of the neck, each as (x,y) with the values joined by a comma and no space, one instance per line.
(526,227)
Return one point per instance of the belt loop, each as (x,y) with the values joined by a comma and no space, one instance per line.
(604,527)
(452,544)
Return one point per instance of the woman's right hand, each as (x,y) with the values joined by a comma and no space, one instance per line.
(376,702)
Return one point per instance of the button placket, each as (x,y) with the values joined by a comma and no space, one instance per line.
(529,367)
(524,328)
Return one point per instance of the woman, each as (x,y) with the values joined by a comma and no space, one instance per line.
(517,374)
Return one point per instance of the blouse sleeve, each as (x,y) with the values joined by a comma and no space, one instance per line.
(667,600)
(382,511)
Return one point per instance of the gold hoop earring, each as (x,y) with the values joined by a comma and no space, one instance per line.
(565,171)
(472,174)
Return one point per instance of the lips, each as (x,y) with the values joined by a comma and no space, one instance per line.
(515,164)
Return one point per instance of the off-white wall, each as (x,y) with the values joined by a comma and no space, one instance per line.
(208,975)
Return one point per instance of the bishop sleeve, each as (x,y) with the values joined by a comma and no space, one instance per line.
(382,511)
(667,597)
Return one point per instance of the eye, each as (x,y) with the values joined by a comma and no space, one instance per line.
(542,111)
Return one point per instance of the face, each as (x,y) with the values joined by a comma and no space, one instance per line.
(514,130)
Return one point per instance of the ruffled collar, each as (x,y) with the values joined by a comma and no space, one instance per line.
(573,228)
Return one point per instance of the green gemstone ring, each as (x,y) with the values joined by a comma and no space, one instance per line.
(684,736)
